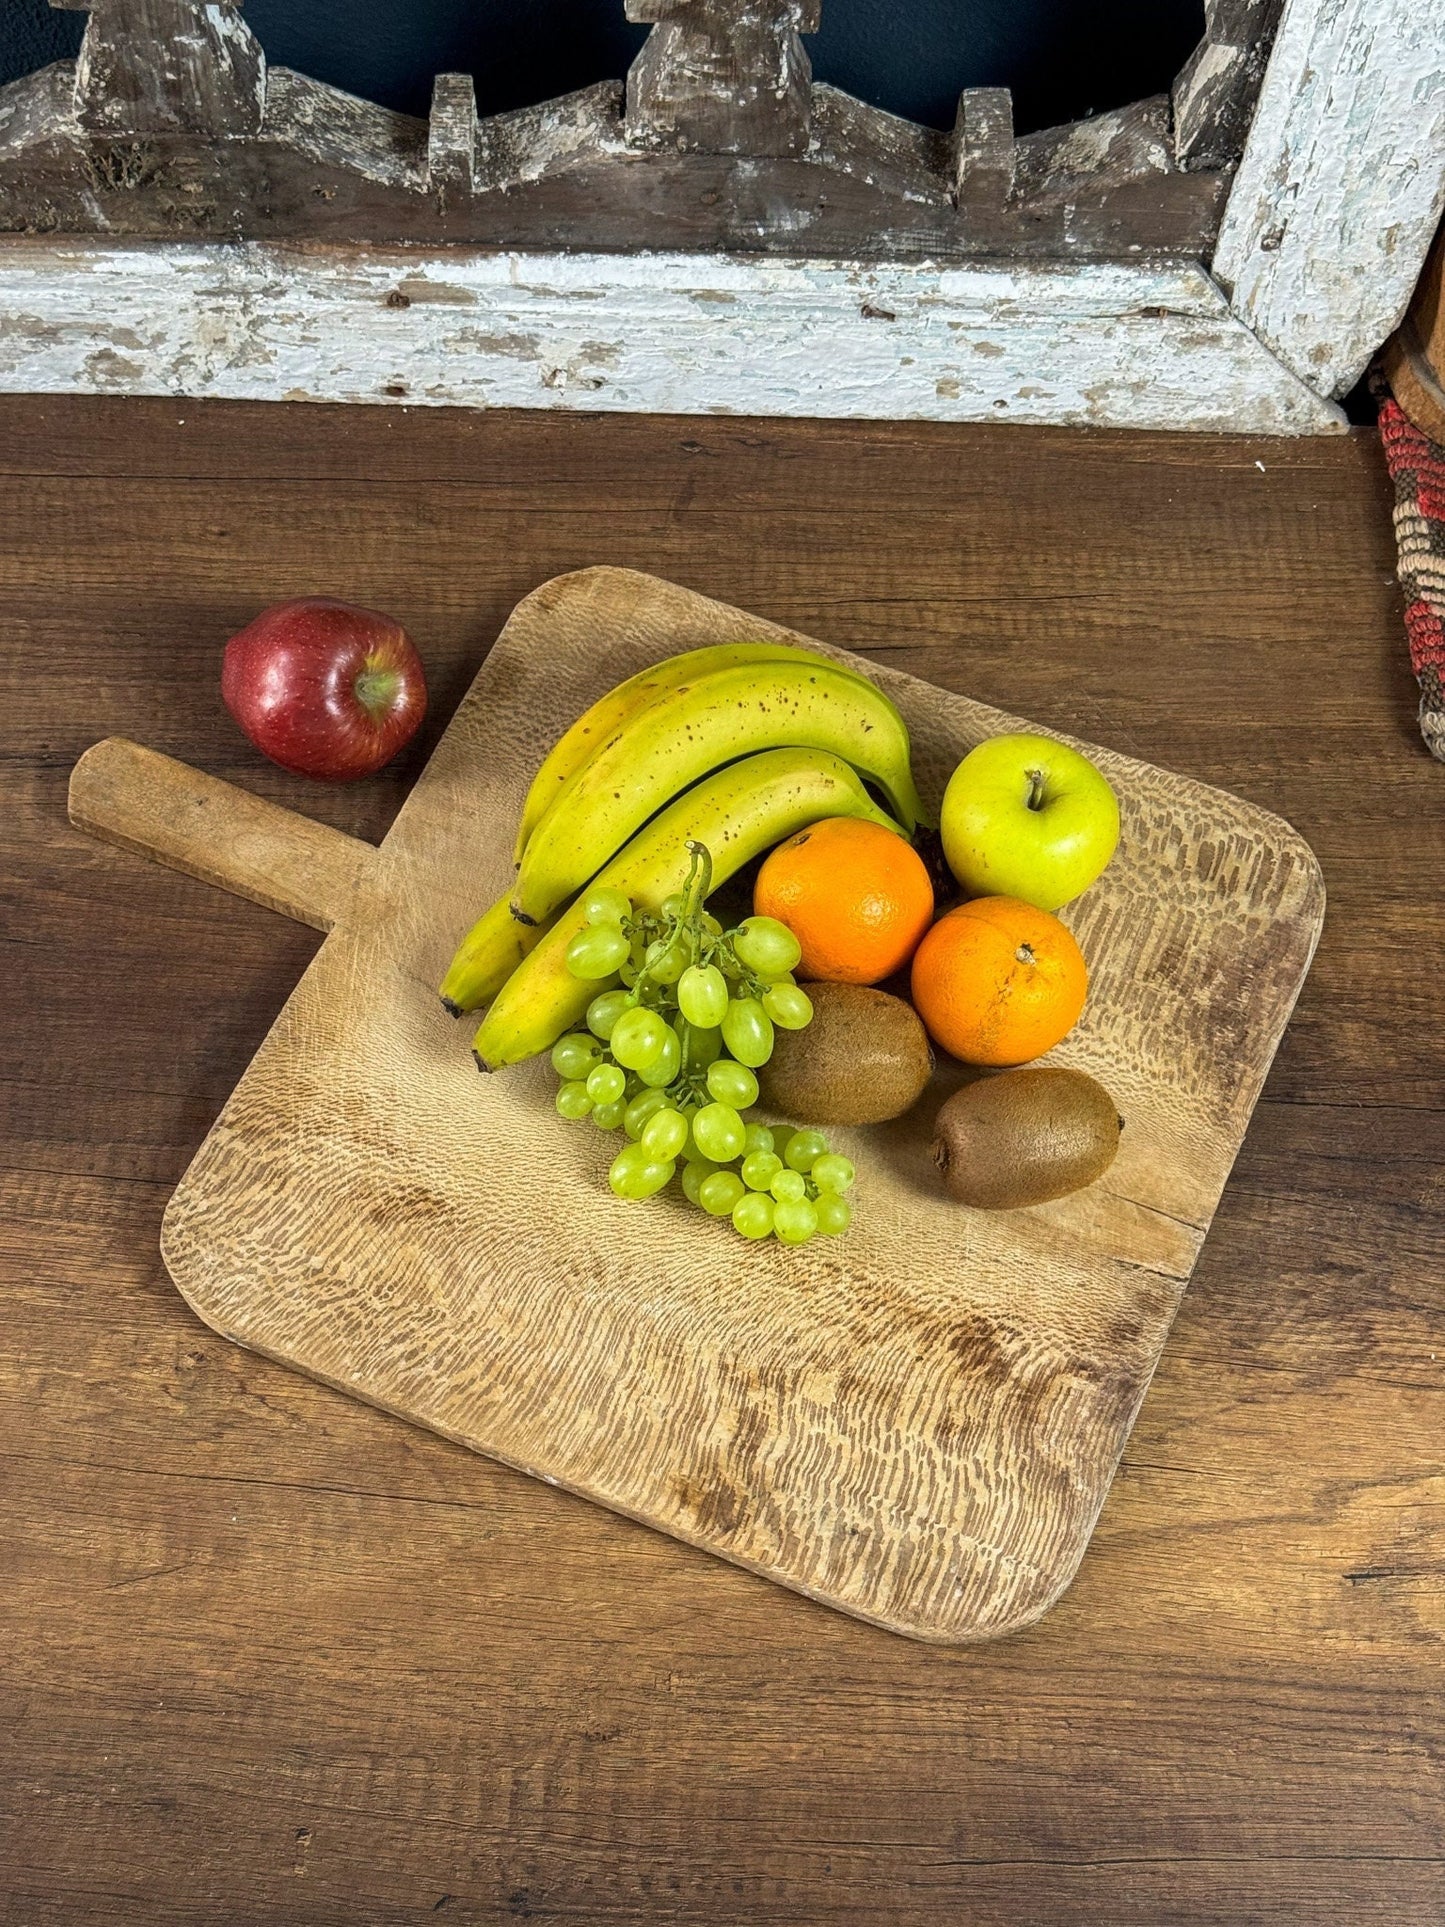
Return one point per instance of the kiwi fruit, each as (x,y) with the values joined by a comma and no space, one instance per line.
(865,1057)
(1024,1137)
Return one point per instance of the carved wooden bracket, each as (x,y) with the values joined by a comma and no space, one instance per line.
(451,147)
(1214,96)
(170,124)
(722,76)
(984,161)
(168,66)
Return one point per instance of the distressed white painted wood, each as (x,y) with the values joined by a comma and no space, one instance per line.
(1109,344)
(1342,183)
(1338,193)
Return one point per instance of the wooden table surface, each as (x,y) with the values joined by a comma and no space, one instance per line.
(272,1657)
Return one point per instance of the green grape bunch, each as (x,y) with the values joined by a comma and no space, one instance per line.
(670,1053)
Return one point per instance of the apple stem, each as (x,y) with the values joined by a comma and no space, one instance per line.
(1035,798)
(376,690)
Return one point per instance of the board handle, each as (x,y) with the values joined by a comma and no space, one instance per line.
(152,804)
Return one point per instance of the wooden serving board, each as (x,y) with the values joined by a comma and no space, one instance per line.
(917,1423)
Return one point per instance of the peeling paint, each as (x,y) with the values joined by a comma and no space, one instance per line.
(475,340)
(417,288)
(107,369)
(628,332)
(1342,183)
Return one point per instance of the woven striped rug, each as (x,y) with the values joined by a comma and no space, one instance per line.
(1417,468)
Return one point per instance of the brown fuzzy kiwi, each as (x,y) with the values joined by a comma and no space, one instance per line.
(865,1057)
(1025,1136)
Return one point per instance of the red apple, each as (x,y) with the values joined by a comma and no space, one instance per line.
(324,688)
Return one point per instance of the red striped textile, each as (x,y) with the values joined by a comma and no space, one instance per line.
(1417,468)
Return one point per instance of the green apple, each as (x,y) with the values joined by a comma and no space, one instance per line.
(1024,816)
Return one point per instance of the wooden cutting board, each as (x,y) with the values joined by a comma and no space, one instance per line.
(917,1423)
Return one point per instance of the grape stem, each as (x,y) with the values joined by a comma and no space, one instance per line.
(694,890)
(699,881)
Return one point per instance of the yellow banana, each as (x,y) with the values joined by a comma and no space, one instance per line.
(487,956)
(738,812)
(699,726)
(618,707)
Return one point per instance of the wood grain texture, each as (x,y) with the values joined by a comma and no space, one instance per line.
(252,1627)
(919,1426)
(132,797)
(1214,97)
(1110,344)
(1342,183)
(169,67)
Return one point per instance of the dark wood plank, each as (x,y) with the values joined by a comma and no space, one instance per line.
(272,1656)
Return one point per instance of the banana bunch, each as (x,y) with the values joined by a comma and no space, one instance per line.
(736,747)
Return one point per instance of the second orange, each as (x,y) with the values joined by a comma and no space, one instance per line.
(998,982)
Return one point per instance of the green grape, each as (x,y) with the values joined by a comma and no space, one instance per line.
(753,1215)
(605,1084)
(607,1117)
(732,1083)
(701,1046)
(603,904)
(795,1221)
(575,1054)
(708,924)
(665,1135)
(783,1135)
(672,907)
(604,1011)
(596,950)
(634,1174)
(758,1138)
(834,1214)
(719,1193)
(789,1007)
(718,1133)
(804,1147)
(645,1105)
(695,1173)
(629,972)
(572,1100)
(665,1066)
(748,1032)
(638,1037)
(760,1168)
(667,960)
(831,1172)
(766,947)
(702,995)
(788,1186)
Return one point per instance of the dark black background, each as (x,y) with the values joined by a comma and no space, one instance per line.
(1063,58)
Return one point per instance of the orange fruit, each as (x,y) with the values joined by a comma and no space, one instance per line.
(857,898)
(998,982)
